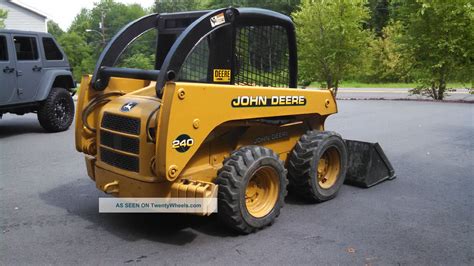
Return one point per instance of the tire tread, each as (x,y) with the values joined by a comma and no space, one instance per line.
(229,178)
(299,164)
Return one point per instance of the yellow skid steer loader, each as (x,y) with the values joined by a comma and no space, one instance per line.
(219,116)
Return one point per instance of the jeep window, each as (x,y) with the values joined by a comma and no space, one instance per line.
(26,48)
(51,50)
(3,49)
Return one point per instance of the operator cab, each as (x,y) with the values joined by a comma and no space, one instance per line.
(244,46)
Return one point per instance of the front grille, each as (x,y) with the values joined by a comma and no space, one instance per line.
(120,142)
(126,162)
(120,123)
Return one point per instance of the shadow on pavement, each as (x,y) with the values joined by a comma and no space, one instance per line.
(293,199)
(19,126)
(80,198)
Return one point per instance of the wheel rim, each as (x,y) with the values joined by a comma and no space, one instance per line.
(329,166)
(262,191)
(60,110)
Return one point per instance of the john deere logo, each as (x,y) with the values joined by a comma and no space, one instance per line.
(264,101)
(128,106)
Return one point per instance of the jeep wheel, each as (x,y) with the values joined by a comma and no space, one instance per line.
(56,113)
(252,187)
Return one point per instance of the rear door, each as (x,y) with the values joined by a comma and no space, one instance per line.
(28,65)
(7,71)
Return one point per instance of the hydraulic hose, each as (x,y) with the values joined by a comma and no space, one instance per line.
(99,100)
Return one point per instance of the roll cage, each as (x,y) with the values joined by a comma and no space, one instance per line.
(248,46)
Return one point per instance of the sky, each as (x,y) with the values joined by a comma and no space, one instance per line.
(64,11)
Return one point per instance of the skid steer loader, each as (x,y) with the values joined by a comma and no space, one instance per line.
(219,116)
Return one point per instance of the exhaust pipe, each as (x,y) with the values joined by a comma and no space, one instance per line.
(367,164)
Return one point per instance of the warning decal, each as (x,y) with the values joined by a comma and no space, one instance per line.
(217,20)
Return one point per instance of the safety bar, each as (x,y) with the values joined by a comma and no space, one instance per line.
(178,34)
(130,73)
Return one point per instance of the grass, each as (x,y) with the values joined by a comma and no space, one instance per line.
(355,84)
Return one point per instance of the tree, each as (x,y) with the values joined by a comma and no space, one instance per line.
(78,53)
(3,16)
(439,38)
(109,16)
(283,6)
(379,15)
(81,22)
(386,60)
(93,28)
(170,6)
(54,29)
(331,39)
(139,60)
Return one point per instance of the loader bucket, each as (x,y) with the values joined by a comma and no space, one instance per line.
(367,164)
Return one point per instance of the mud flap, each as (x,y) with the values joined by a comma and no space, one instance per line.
(367,164)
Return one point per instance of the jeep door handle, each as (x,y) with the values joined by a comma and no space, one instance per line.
(36,68)
(8,70)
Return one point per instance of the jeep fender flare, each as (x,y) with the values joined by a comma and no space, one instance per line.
(54,78)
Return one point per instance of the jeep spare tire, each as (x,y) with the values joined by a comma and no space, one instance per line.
(56,113)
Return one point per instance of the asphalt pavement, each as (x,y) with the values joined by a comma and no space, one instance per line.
(49,207)
(456,95)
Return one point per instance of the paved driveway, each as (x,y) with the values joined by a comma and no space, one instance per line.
(48,205)
(398,93)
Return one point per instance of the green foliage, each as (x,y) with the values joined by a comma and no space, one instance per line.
(141,61)
(438,37)
(92,28)
(428,41)
(78,53)
(141,53)
(107,17)
(283,6)
(331,39)
(113,16)
(3,16)
(386,60)
(54,29)
(379,15)
(81,22)
(170,6)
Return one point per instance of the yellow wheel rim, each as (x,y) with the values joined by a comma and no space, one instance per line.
(328,168)
(262,191)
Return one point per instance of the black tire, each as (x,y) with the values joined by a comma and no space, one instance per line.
(303,166)
(233,179)
(56,113)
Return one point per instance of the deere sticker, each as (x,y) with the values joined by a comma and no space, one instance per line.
(217,20)
(264,101)
(221,75)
